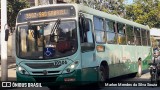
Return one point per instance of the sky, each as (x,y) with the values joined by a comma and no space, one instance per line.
(129,1)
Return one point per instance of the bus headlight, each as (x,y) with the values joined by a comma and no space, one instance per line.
(71,67)
(21,70)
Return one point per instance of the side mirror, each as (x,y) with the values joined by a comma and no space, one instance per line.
(6,34)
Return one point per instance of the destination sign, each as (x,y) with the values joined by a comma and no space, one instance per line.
(53,13)
(46,13)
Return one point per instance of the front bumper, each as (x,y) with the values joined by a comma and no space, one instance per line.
(51,80)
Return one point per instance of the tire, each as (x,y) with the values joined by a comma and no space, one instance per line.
(154,77)
(104,75)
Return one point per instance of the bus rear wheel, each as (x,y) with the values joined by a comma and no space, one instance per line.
(103,76)
(103,73)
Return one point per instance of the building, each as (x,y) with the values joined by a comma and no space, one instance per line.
(155,34)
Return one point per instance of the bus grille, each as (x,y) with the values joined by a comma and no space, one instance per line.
(45,79)
(42,65)
(41,72)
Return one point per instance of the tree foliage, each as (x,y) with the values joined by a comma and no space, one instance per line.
(145,12)
(13,7)
(116,7)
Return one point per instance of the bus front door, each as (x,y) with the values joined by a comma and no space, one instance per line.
(89,62)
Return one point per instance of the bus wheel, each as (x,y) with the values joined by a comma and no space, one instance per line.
(103,73)
(139,67)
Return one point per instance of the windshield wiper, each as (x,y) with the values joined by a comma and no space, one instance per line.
(56,26)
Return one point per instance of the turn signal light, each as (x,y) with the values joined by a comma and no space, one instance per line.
(100,48)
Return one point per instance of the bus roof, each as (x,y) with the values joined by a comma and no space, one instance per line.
(110,16)
(95,12)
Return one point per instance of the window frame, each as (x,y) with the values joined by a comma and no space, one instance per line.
(144,38)
(89,43)
(124,33)
(98,30)
(136,36)
(114,30)
(132,35)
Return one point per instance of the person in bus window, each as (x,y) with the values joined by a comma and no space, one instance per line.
(40,35)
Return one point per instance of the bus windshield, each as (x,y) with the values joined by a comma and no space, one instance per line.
(44,41)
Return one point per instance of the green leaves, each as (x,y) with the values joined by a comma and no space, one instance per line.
(13,7)
(145,12)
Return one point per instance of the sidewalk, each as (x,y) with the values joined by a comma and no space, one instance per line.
(11,69)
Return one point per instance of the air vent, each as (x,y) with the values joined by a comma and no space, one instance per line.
(41,72)
(42,65)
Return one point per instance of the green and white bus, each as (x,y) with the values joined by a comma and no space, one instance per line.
(63,43)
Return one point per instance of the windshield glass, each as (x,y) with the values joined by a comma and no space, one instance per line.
(45,41)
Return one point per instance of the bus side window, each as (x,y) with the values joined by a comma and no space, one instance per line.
(89,33)
(111,32)
(121,33)
(144,37)
(130,35)
(87,42)
(137,36)
(99,30)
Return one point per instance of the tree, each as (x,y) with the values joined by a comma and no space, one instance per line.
(13,7)
(116,7)
(145,12)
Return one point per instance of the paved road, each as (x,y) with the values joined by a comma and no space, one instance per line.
(143,78)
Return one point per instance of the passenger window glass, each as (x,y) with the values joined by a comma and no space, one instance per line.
(110,26)
(100,36)
(99,30)
(137,36)
(120,28)
(89,33)
(98,23)
(111,32)
(130,35)
(88,43)
(121,33)
(143,33)
(144,37)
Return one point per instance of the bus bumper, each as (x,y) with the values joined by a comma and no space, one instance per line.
(52,80)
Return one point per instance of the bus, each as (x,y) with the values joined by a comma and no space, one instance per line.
(72,43)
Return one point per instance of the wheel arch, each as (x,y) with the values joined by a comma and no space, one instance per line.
(105,64)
